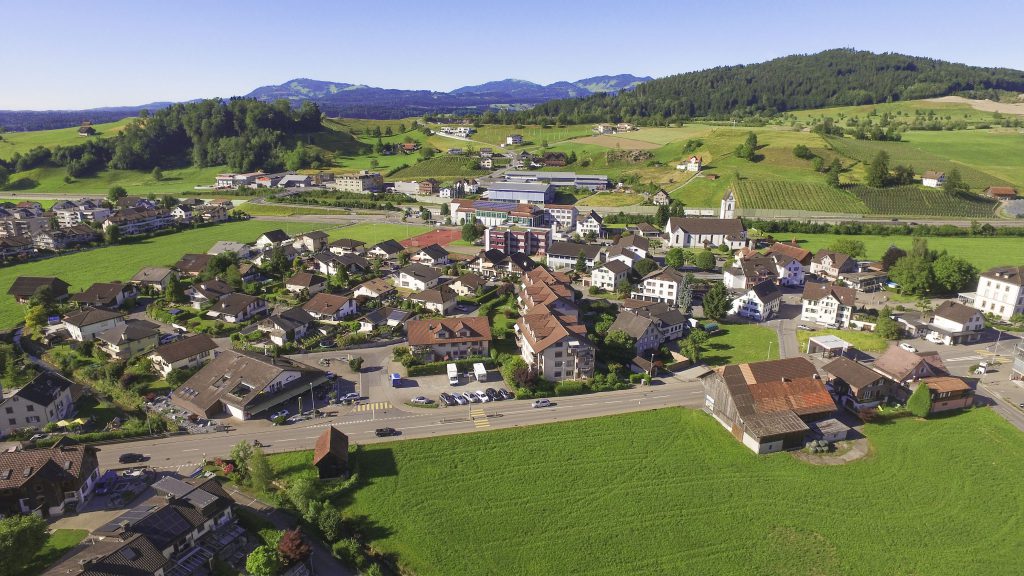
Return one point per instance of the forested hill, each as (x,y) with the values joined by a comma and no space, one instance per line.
(831,78)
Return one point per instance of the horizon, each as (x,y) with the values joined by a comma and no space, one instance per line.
(177,60)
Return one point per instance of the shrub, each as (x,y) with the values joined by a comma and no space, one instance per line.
(349,552)
(920,402)
(569,388)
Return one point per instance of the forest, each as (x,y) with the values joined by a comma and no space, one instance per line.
(840,77)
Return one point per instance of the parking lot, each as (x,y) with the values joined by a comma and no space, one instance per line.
(432,386)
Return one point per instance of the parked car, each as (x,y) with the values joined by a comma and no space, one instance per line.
(542,403)
(506,394)
(282,414)
(422,400)
(382,432)
(460,398)
(908,347)
(350,397)
(493,394)
(472,397)
(482,396)
(447,399)
(130,457)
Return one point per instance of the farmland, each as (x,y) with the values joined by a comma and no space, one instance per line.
(443,168)
(280,210)
(122,261)
(24,141)
(783,195)
(50,179)
(594,497)
(982,252)
(533,136)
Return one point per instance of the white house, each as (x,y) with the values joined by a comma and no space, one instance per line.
(84,324)
(433,255)
(591,223)
(664,285)
(46,398)
(514,140)
(610,276)
(374,288)
(330,307)
(954,323)
(831,264)
(271,239)
(189,353)
(828,304)
(442,299)
(933,179)
(704,232)
(692,164)
(761,302)
(563,255)
(418,277)
(1001,292)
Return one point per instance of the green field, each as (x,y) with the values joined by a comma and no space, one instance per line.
(46,204)
(809,196)
(140,183)
(279,210)
(533,136)
(611,199)
(738,343)
(60,542)
(901,111)
(121,262)
(22,142)
(441,167)
(600,497)
(996,152)
(863,341)
(984,253)
(372,233)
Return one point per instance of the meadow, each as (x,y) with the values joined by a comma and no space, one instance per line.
(372,233)
(983,252)
(50,179)
(533,136)
(671,492)
(280,210)
(863,341)
(11,142)
(739,343)
(442,167)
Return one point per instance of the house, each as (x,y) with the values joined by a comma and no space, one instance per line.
(25,287)
(604,129)
(642,328)
(300,281)
(439,339)
(955,323)
(65,238)
(224,246)
(552,290)
(671,322)
(314,241)
(1001,192)
(947,392)
(903,367)
(330,454)
(1001,292)
(933,179)
(193,264)
(343,246)
(706,232)
(291,325)
(827,304)
(330,307)
(388,250)
(384,316)
(182,213)
(555,159)
(375,288)
(16,248)
(153,277)
(134,554)
(244,384)
(565,255)
(271,239)
(468,285)
(635,243)
(661,198)
(185,354)
(235,307)
(106,294)
(131,221)
(664,285)
(433,255)
(86,129)
(46,398)
(760,302)
(856,386)
(418,277)
(83,324)
(129,339)
(362,182)
(555,346)
(441,300)
(610,276)
(207,292)
(793,251)
(521,239)
(624,127)
(691,164)
(592,223)
(747,272)
(829,264)
(866,281)
(329,263)
(619,253)
(496,264)
(514,140)
(47,480)
(767,405)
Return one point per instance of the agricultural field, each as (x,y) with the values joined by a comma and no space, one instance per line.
(996,152)
(596,497)
(533,136)
(983,252)
(785,195)
(11,142)
(122,261)
(610,141)
(374,233)
(611,199)
(738,343)
(903,111)
(917,200)
(50,180)
(441,167)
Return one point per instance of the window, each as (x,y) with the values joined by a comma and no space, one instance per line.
(12,421)
(10,410)
(30,408)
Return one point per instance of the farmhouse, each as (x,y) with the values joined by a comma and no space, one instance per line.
(903,367)
(857,386)
(661,198)
(933,179)
(439,339)
(187,354)
(1001,192)
(692,164)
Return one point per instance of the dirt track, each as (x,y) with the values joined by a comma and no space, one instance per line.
(983,105)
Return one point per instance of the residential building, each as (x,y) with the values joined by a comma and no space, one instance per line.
(514,139)
(46,398)
(829,264)
(827,304)
(375,288)
(129,339)
(25,287)
(47,480)
(555,346)
(66,238)
(671,322)
(387,250)
(636,244)
(760,302)
(330,307)
(132,221)
(433,255)
(134,554)
(532,192)
(664,285)
(418,277)
(564,255)
(553,290)
(441,300)
(516,239)
(223,246)
(83,324)
(16,248)
(155,278)
(496,264)
(236,307)
(244,385)
(562,215)
(438,339)
(661,198)
(185,354)
(856,386)
(193,264)
(642,328)
(745,273)
(706,232)
(330,454)
(933,179)
(801,255)
(210,213)
(291,325)
(85,211)
(604,129)
(903,367)
(592,223)
(610,275)
(468,285)
(300,281)
(329,263)
(207,292)
(363,182)
(343,246)
(866,281)
(385,316)
(272,239)
(691,164)
(954,323)
(1001,292)
(106,294)
(947,392)
(314,241)
(1001,192)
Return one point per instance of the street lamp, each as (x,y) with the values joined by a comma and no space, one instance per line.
(769,350)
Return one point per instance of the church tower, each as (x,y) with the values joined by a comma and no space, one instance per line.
(728,209)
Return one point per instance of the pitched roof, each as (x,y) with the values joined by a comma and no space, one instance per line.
(44,388)
(707,226)
(471,280)
(838,259)
(804,396)
(438,295)
(636,241)
(667,274)
(956,312)
(633,324)
(347,243)
(616,267)
(185,348)
(389,246)
(434,251)
(233,303)
(428,332)
(26,286)
(542,328)
(134,555)
(573,250)
(305,279)
(421,272)
(130,331)
(151,274)
(946,384)
(88,316)
(853,373)
(1000,191)
(932,174)
(769,371)
(288,320)
(101,293)
(332,441)
(899,364)
(1008,274)
(62,461)
(275,236)
(240,378)
(766,291)
(324,304)
(815,291)
(377,285)
(193,263)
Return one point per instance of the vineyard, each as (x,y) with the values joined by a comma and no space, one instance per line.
(908,155)
(780,195)
(916,200)
(441,167)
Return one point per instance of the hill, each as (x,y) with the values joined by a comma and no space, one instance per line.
(841,77)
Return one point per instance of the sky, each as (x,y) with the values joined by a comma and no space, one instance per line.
(71,54)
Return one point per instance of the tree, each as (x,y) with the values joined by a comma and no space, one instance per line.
(517,373)
(112,234)
(175,291)
(301,492)
(356,364)
(920,402)
(263,561)
(886,327)
(849,246)
(260,474)
(748,150)
(662,216)
(913,274)
(341,278)
(292,547)
(403,258)
(716,301)
(233,278)
(902,175)
(470,231)
(953,274)
(675,257)
(445,210)
(116,193)
(954,184)
(241,454)
(801,151)
(878,170)
(705,260)
(157,173)
(278,264)
(328,520)
(619,346)
(892,254)
(645,266)
(693,345)
(581,263)
(21,537)
(35,321)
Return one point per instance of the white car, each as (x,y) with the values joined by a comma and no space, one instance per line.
(542,403)
(462,400)
(907,347)
(482,396)
(422,400)
(472,397)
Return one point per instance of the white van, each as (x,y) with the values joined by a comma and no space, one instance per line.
(480,372)
(453,375)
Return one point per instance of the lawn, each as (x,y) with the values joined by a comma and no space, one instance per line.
(863,341)
(57,545)
(374,233)
(738,343)
(46,204)
(121,262)
(176,182)
(611,199)
(277,210)
(24,141)
(683,497)
(983,252)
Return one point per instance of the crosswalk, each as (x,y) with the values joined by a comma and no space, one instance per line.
(479,417)
(372,406)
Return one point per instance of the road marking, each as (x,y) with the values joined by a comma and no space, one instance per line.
(190,450)
(479,417)
(370,406)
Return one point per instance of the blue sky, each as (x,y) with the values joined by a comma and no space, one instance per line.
(73,54)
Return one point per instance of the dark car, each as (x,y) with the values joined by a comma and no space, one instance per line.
(493,394)
(506,394)
(447,399)
(130,457)
(382,432)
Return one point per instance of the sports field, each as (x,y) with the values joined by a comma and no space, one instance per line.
(671,492)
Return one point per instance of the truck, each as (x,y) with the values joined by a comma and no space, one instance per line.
(480,372)
(453,374)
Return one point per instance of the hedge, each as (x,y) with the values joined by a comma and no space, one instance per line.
(435,368)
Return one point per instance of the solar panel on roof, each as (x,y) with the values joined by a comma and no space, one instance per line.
(200,498)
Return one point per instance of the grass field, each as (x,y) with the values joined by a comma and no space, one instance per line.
(611,199)
(278,210)
(24,141)
(441,167)
(121,262)
(374,233)
(140,183)
(683,497)
(533,136)
(738,343)
(984,253)
(996,152)
(863,341)
(46,204)
(901,111)
(59,543)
